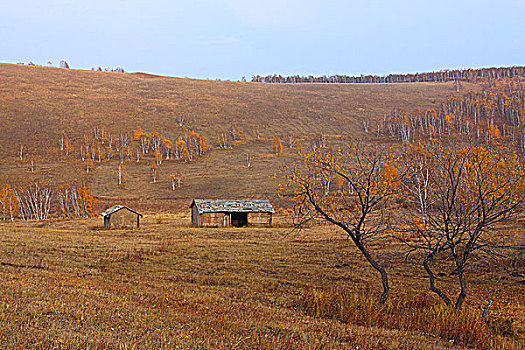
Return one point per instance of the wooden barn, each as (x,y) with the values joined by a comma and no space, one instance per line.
(121,216)
(231,212)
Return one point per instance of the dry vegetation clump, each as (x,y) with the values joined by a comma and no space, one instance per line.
(410,312)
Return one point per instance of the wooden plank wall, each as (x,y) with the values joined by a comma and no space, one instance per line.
(123,218)
(223,219)
(213,220)
(258,219)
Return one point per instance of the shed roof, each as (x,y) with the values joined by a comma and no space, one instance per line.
(232,205)
(116,208)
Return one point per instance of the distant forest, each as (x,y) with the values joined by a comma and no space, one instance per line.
(441,76)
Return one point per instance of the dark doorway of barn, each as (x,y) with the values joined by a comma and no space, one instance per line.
(239,219)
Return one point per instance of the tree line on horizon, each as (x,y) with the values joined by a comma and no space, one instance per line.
(65,65)
(441,76)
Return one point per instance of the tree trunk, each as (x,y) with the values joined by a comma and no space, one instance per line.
(463,293)
(432,280)
(378,267)
(355,235)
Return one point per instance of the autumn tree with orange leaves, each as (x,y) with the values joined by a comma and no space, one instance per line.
(154,172)
(277,146)
(88,163)
(459,199)
(9,203)
(176,181)
(86,201)
(347,188)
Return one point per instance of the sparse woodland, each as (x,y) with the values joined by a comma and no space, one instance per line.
(494,114)
(38,202)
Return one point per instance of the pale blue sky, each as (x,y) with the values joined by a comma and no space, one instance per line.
(228,39)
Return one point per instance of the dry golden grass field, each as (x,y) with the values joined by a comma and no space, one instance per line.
(67,284)
(167,285)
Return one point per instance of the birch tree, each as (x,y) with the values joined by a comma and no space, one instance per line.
(121,174)
(176,181)
(35,201)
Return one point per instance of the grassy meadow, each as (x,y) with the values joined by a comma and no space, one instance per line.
(168,285)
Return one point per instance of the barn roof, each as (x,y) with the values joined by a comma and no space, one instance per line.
(232,205)
(116,208)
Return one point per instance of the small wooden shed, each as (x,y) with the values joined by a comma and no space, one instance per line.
(121,216)
(231,212)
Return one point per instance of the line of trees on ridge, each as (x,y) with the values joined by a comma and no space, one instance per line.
(440,76)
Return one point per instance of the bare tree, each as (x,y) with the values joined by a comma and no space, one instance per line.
(121,173)
(225,139)
(292,140)
(366,124)
(96,132)
(154,172)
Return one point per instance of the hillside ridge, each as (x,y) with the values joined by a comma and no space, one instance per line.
(40,105)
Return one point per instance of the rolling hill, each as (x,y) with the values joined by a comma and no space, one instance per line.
(39,104)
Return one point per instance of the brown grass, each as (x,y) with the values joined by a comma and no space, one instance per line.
(411,312)
(63,285)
